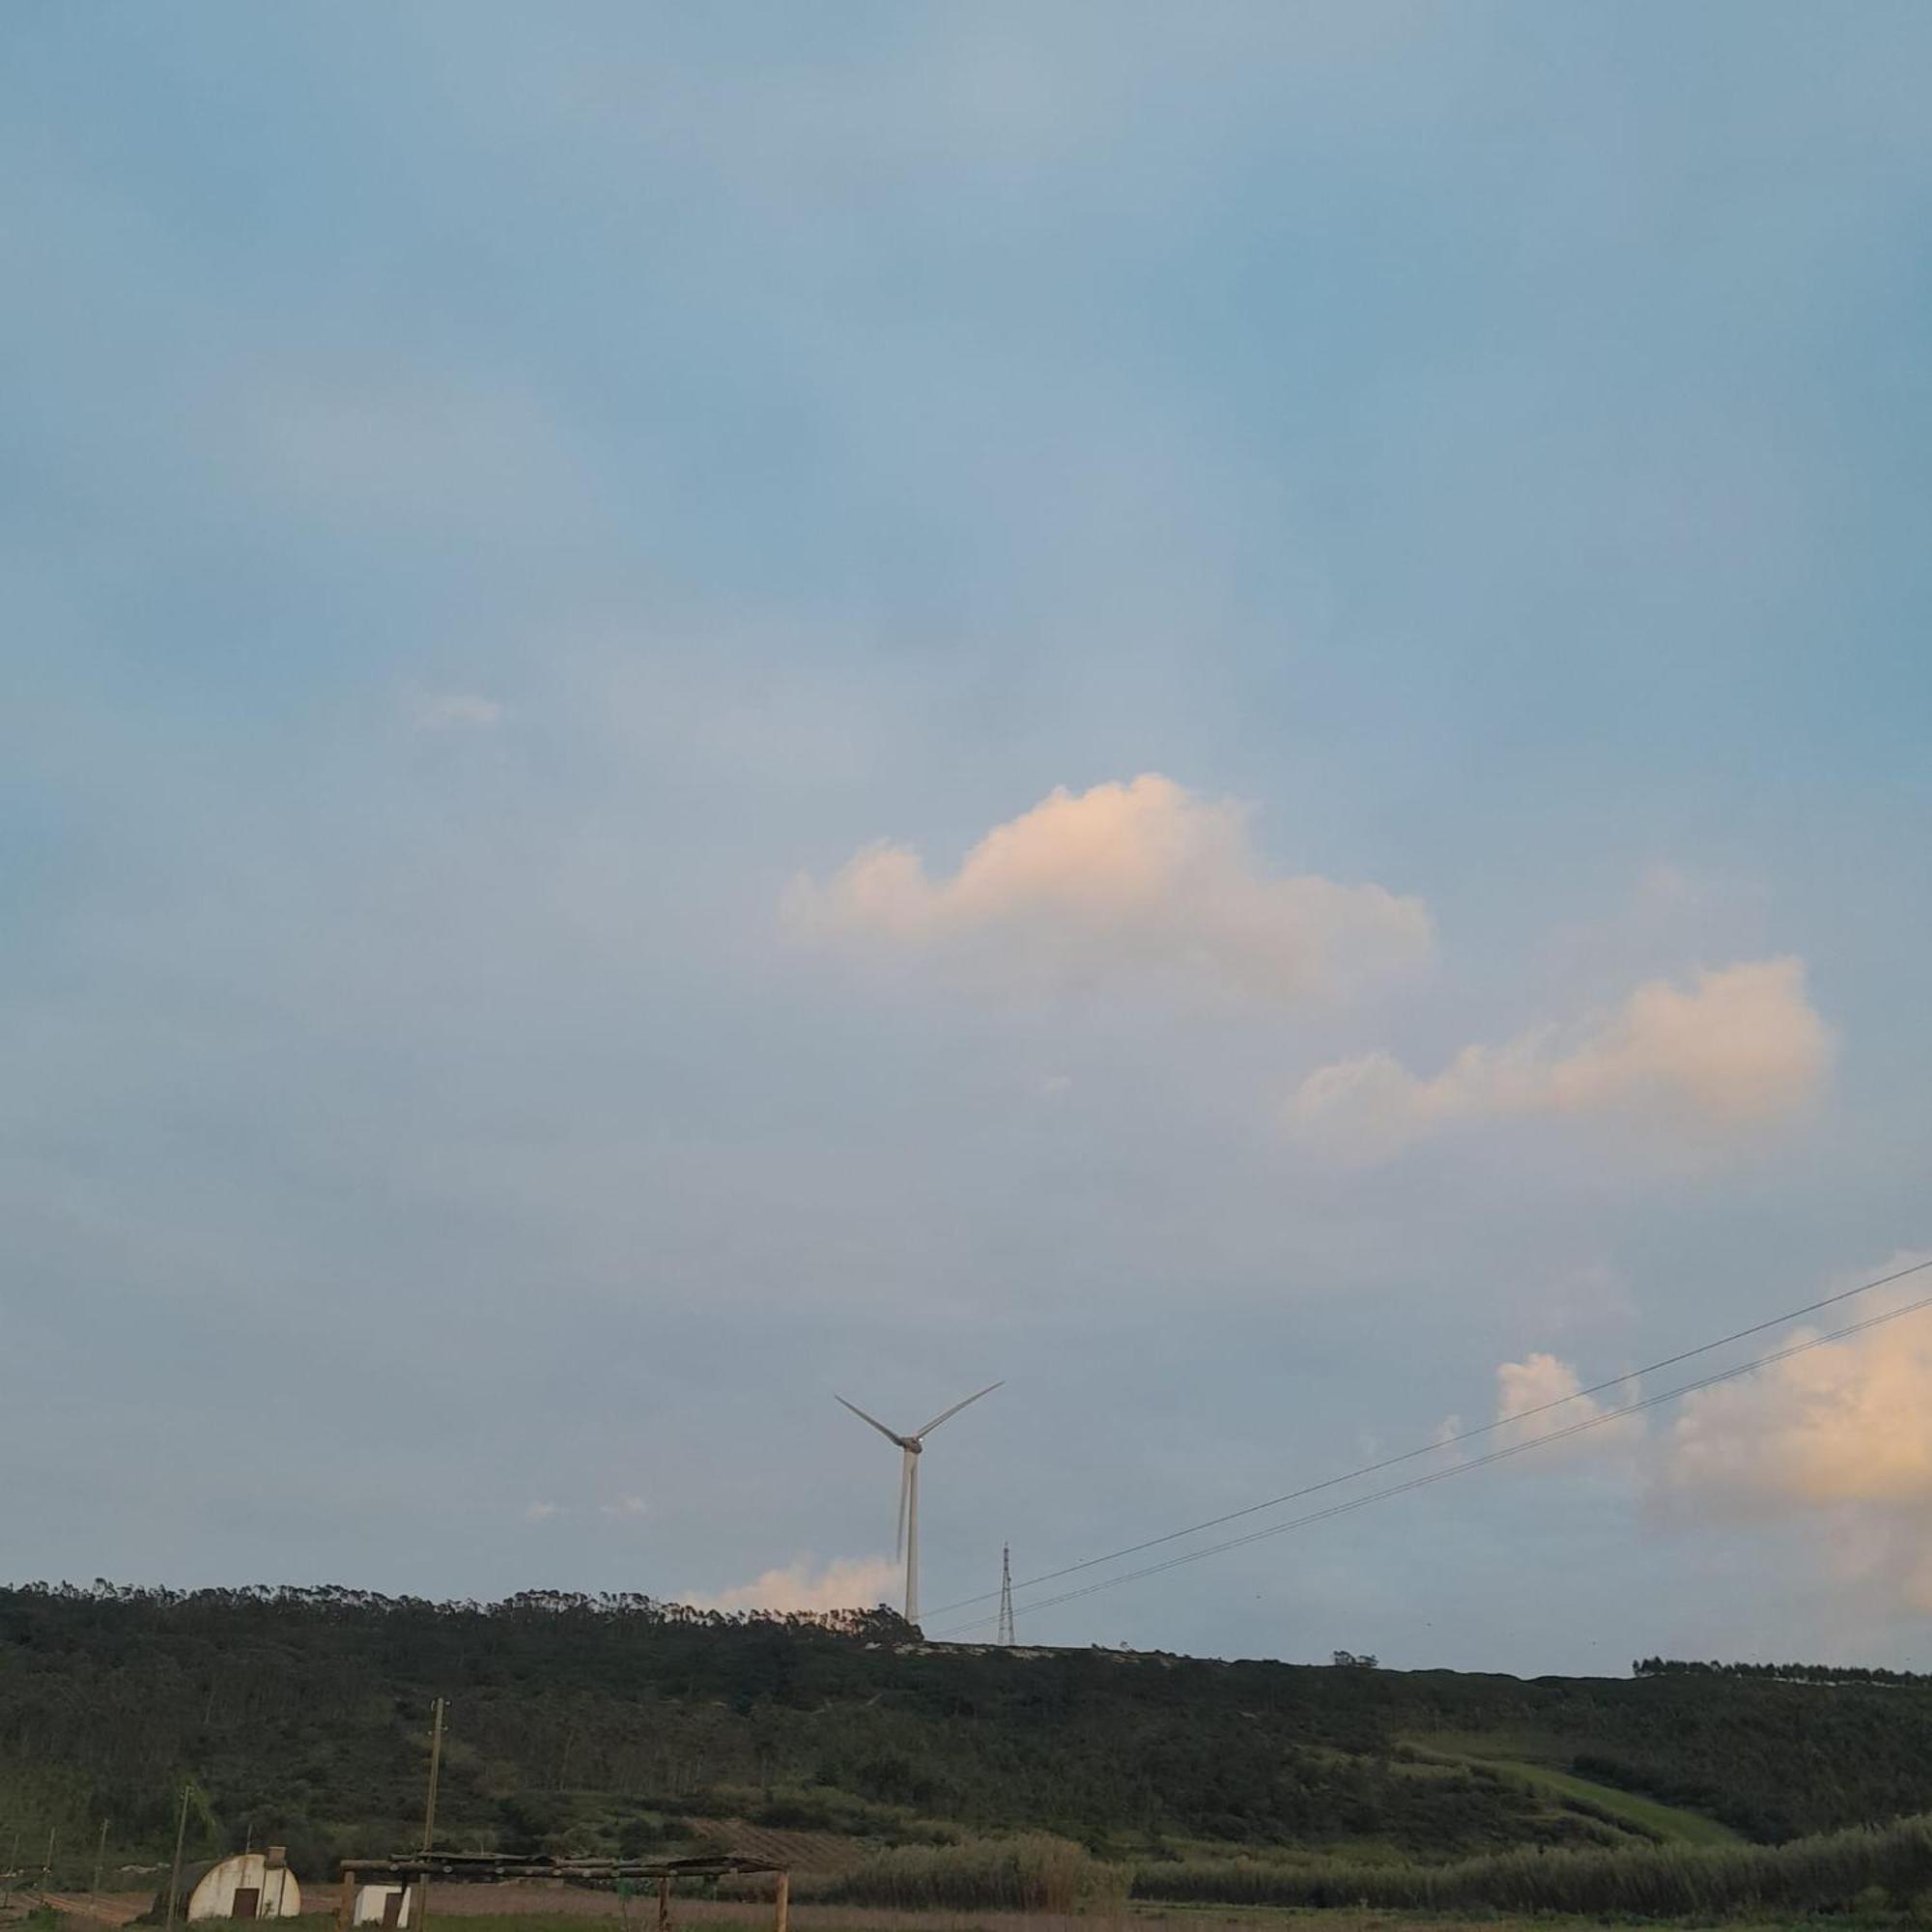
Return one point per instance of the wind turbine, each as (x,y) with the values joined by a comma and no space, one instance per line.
(907,1543)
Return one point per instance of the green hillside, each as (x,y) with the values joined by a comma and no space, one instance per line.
(1538,1763)
(618,1723)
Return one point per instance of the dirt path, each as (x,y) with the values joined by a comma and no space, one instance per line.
(103,1908)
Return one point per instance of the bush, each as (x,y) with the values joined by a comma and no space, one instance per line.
(638,1836)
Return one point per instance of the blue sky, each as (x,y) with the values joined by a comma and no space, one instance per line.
(503,513)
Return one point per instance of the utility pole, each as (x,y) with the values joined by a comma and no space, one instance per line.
(99,1858)
(48,1869)
(1006,1636)
(180,1839)
(429,1815)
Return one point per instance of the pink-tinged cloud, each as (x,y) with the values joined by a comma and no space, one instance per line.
(1848,1422)
(1540,1397)
(1135,880)
(845,1583)
(1742,1047)
(1840,1437)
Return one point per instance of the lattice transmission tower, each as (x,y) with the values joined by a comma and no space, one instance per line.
(1006,1596)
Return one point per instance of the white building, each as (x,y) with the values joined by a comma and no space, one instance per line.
(251,1884)
(388,1904)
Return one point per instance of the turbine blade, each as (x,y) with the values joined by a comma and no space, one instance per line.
(920,1434)
(891,1434)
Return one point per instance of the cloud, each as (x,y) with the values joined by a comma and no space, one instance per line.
(1840,1437)
(845,1583)
(1742,1048)
(619,1509)
(456,711)
(1124,880)
(1545,1392)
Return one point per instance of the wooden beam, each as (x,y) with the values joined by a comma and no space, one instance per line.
(345,1905)
(782,1913)
(663,1903)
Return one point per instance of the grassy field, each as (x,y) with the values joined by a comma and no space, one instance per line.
(715,1915)
(1669,1822)
(1537,1764)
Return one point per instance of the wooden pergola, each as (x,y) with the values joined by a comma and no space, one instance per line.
(419,1868)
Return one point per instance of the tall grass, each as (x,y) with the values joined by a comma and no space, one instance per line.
(1032,1873)
(1828,1872)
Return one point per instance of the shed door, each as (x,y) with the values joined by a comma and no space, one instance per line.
(247,1902)
(392,1906)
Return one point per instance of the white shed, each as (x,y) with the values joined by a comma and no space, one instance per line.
(384,1904)
(251,1884)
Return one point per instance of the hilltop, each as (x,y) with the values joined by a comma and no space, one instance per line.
(620,1723)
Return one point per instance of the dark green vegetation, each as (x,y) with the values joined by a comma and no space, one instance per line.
(1788,1673)
(620,1724)
(1029,1872)
(1873,1871)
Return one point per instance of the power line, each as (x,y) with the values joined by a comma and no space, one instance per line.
(1596,1421)
(1445,1441)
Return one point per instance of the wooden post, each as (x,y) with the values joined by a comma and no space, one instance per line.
(421,1922)
(345,1906)
(434,1772)
(663,1903)
(48,1869)
(784,1912)
(175,1875)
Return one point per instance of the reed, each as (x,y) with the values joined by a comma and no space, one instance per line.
(1030,1873)
(1829,1872)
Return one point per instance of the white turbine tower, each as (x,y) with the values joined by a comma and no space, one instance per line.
(907,1544)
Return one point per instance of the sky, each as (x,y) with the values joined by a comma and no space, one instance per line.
(1219,711)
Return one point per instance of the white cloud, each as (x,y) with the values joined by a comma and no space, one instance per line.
(1122,880)
(1545,1392)
(1743,1047)
(1840,1437)
(619,1509)
(456,711)
(845,1583)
